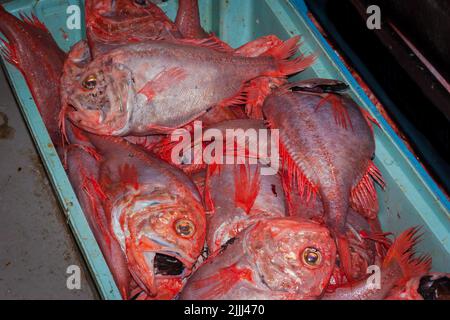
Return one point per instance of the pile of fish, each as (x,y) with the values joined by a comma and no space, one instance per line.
(171,230)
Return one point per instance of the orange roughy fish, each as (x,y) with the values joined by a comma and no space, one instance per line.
(152,210)
(282,259)
(157,86)
(326,145)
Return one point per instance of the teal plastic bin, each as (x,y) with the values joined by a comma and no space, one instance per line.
(411,197)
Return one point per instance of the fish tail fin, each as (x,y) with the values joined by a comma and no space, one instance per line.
(247,186)
(283,53)
(402,252)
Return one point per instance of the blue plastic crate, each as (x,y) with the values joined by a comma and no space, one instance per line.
(411,197)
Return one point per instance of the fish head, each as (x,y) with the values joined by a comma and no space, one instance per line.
(292,255)
(101,97)
(162,236)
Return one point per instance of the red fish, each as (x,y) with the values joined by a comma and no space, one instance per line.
(112,23)
(157,86)
(153,211)
(31,48)
(326,145)
(281,259)
(398,267)
(82,166)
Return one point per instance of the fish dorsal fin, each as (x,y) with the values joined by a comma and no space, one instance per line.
(212,42)
(247,185)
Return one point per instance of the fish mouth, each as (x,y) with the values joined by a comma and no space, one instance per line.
(168,265)
(165,264)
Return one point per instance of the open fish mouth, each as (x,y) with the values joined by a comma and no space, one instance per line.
(165,265)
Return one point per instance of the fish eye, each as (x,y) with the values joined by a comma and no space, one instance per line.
(90,82)
(184,228)
(312,257)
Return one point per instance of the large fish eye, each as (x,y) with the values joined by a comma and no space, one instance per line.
(90,82)
(184,228)
(312,257)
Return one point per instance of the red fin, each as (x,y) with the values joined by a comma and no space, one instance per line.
(128,176)
(259,46)
(33,21)
(97,188)
(402,252)
(257,91)
(212,42)
(370,120)
(247,186)
(340,112)
(8,52)
(345,257)
(221,282)
(210,171)
(364,197)
(239,99)
(283,52)
(62,125)
(295,178)
(93,199)
(162,82)
(381,240)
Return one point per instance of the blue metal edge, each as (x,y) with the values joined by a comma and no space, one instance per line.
(58,177)
(302,8)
